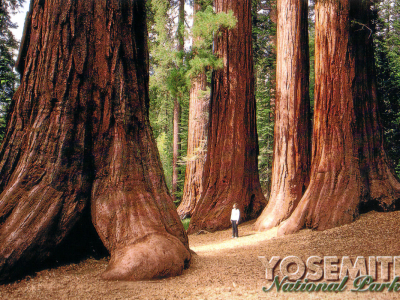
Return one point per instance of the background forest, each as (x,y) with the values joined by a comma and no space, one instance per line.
(172,67)
(181,49)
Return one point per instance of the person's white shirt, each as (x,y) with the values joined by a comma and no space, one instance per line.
(235,215)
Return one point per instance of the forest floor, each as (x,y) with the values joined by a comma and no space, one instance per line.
(225,268)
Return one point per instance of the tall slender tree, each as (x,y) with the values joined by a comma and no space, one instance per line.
(79,136)
(264,49)
(197,138)
(292,136)
(231,171)
(177,105)
(349,172)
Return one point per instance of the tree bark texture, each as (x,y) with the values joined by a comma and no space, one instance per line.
(292,130)
(79,135)
(197,142)
(197,145)
(231,171)
(349,172)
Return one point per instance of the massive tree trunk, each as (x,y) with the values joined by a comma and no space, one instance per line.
(292,131)
(231,171)
(79,135)
(197,142)
(349,172)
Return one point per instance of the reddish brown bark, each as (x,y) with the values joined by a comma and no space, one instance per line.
(231,171)
(292,131)
(197,145)
(349,172)
(79,135)
(197,142)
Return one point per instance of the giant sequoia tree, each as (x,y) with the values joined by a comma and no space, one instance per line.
(292,142)
(79,135)
(230,171)
(349,171)
(197,139)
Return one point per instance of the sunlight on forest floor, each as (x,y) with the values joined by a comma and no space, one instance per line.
(249,238)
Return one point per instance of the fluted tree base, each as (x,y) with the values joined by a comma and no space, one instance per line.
(79,137)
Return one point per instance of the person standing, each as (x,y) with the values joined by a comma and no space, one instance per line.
(235,216)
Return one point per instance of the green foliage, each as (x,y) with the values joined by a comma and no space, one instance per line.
(171,70)
(183,130)
(177,67)
(387,61)
(161,122)
(8,44)
(161,45)
(164,148)
(264,53)
(264,35)
(207,26)
(177,83)
(185,223)
(265,128)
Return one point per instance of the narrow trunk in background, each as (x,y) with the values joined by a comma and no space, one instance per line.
(79,135)
(274,17)
(349,172)
(197,142)
(175,148)
(292,129)
(231,170)
(177,106)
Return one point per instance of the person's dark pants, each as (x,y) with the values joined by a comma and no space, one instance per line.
(235,229)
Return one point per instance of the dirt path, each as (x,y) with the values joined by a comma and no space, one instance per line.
(225,268)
